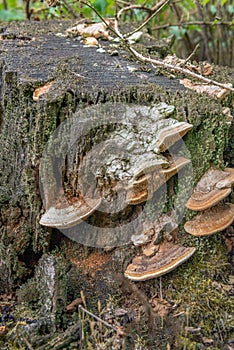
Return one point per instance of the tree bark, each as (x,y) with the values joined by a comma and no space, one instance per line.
(33,54)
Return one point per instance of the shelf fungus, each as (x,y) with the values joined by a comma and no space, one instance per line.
(169,135)
(214,186)
(144,186)
(69,215)
(117,164)
(212,220)
(161,255)
(166,259)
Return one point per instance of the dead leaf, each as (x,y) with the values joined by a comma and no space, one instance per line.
(120,312)
(120,331)
(212,90)
(193,330)
(207,341)
(91,41)
(204,69)
(95,30)
(160,306)
(73,305)
(3,330)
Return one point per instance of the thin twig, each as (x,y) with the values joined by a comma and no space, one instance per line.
(191,54)
(97,318)
(157,6)
(102,18)
(160,287)
(29,346)
(164,3)
(132,7)
(185,71)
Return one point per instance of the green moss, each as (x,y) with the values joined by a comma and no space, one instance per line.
(197,288)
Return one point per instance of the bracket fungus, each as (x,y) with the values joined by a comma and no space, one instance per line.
(69,215)
(161,255)
(144,186)
(166,259)
(123,159)
(212,220)
(214,186)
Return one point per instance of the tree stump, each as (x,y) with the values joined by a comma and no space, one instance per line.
(35,54)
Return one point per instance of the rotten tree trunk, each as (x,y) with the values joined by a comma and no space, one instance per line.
(31,56)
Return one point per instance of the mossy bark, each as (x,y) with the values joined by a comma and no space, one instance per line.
(35,55)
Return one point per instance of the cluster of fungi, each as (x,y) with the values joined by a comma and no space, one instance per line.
(135,171)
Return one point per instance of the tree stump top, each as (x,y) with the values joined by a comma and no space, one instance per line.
(38,50)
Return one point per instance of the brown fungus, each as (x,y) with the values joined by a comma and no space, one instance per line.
(214,186)
(168,258)
(212,220)
(69,215)
(143,188)
(171,134)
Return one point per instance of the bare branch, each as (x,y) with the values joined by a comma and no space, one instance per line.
(185,71)
(102,19)
(70,9)
(159,9)
(192,53)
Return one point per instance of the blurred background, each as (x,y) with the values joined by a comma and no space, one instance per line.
(207,23)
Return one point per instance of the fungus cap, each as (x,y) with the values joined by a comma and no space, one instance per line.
(165,260)
(212,220)
(143,188)
(171,134)
(176,165)
(70,215)
(214,186)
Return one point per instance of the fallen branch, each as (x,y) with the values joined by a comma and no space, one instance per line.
(69,9)
(185,71)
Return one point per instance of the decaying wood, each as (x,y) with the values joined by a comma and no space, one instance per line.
(31,57)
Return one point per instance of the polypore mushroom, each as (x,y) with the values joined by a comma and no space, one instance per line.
(163,227)
(214,186)
(176,164)
(114,167)
(169,135)
(165,260)
(70,215)
(143,188)
(212,220)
